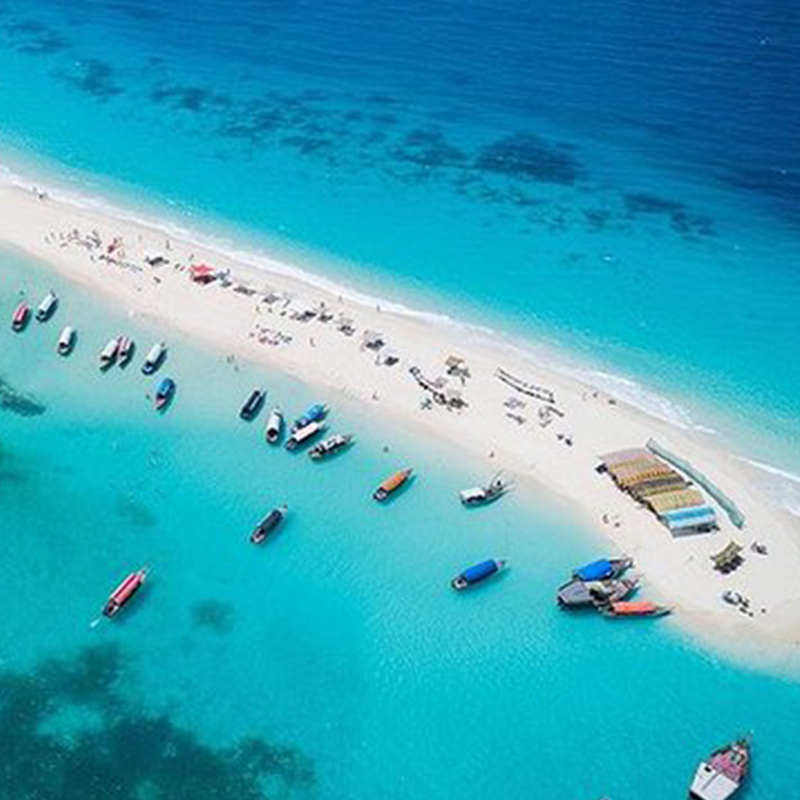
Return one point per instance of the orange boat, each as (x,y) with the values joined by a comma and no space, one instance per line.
(392,484)
(634,608)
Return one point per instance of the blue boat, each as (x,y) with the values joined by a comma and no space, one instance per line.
(476,574)
(603,569)
(164,393)
(315,413)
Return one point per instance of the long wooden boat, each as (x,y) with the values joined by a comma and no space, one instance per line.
(304,435)
(315,413)
(722,774)
(154,358)
(108,355)
(252,405)
(603,568)
(126,350)
(333,444)
(19,318)
(164,394)
(274,427)
(124,592)
(268,524)
(633,608)
(47,307)
(392,484)
(477,573)
(482,495)
(584,594)
(66,341)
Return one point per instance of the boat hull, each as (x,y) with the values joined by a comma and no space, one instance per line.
(21,317)
(268,524)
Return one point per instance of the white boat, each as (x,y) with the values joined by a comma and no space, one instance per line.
(126,348)
(304,434)
(274,425)
(47,306)
(154,358)
(66,341)
(108,355)
(721,775)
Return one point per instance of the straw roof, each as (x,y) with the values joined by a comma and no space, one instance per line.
(634,465)
(669,501)
(728,555)
(657,486)
(620,456)
(629,480)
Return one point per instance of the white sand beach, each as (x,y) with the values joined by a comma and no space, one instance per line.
(330,340)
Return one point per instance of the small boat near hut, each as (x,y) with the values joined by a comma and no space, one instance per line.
(126,349)
(315,413)
(333,444)
(268,524)
(274,427)
(19,318)
(303,435)
(482,495)
(47,307)
(633,608)
(124,592)
(722,774)
(583,594)
(477,573)
(108,355)
(252,405)
(66,341)
(154,358)
(164,394)
(603,569)
(392,484)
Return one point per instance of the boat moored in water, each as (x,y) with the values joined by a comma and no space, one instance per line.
(620,609)
(66,341)
(303,435)
(20,317)
(154,358)
(274,426)
(333,444)
(108,355)
(582,594)
(124,592)
(603,569)
(315,413)
(477,573)
(722,774)
(481,495)
(126,348)
(47,307)
(253,404)
(268,524)
(164,394)
(392,484)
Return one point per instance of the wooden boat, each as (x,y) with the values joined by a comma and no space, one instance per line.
(722,774)
(47,307)
(392,484)
(582,594)
(481,495)
(154,358)
(303,435)
(164,394)
(126,348)
(108,355)
(315,413)
(274,426)
(66,341)
(633,608)
(253,404)
(333,444)
(476,574)
(20,317)
(124,592)
(603,568)
(268,524)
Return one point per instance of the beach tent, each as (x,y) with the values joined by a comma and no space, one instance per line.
(669,501)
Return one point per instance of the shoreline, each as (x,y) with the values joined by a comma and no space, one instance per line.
(677,570)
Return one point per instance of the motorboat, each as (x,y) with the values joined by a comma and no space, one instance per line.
(333,444)
(124,592)
(304,434)
(722,774)
(154,358)
(268,524)
(477,573)
(126,349)
(47,307)
(633,608)
(481,495)
(20,317)
(582,594)
(253,404)
(108,355)
(66,341)
(315,413)
(603,568)
(392,484)
(274,425)
(164,394)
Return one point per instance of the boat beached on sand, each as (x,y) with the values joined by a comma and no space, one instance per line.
(124,592)
(392,484)
(583,594)
(20,317)
(268,524)
(333,444)
(253,404)
(274,427)
(108,355)
(722,774)
(47,307)
(620,609)
(481,495)
(164,394)
(154,358)
(66,341)
(477,573)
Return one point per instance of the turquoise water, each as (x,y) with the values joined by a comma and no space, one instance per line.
(337,646)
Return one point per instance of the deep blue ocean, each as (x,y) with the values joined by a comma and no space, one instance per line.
(620,179)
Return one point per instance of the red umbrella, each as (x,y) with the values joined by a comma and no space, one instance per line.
(202,273)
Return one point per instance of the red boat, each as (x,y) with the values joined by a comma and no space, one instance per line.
(20,318)
(124,592)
